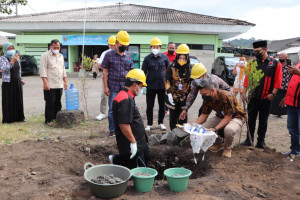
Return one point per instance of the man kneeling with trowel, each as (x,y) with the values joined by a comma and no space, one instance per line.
(229,115)
(130,131)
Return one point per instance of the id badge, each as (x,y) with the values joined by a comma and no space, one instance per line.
(180,86)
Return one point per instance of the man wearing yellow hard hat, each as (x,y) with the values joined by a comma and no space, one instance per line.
(154,66)
(198,73)
(116,64)
(103,98)
(130,131)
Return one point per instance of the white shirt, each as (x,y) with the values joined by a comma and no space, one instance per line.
(100,60)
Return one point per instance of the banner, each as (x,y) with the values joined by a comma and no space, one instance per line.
(88,39)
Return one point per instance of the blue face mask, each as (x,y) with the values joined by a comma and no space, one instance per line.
(197,81)
(11,53)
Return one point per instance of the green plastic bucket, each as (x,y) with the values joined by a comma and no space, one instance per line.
(177,178)
(143,183)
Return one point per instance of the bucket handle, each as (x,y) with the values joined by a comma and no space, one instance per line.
(86,165)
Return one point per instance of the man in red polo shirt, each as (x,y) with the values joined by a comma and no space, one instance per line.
(292,101)
(171,51)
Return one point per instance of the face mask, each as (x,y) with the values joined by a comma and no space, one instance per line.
(155,51)
(258,56)
(281,60)
(122,48)
(170,52)
(140,92)
(11,53)
(181,63)
(207,98)
(55,51)
(197,81)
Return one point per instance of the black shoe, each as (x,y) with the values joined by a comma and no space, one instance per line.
(260,145)
(246,143)
(112,134)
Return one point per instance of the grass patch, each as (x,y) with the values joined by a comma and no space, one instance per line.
(16,132)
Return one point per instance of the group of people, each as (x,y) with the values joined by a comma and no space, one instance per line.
(176,83)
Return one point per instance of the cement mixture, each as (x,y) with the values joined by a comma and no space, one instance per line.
(144,174)
(107,180)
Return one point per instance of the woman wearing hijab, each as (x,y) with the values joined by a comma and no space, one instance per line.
(240,77)
(12,92)
(178,84)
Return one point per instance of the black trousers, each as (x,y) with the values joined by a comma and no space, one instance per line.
(150,100)
(174,115)
(94,75)
(140,160)
(260,107)
(53,103)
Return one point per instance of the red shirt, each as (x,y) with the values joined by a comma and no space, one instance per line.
(171,57)
(292,97)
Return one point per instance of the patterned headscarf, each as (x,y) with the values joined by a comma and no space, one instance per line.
(5,47)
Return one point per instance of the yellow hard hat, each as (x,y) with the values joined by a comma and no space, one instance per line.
(183,49)
(198,70)
(137,75)
(155,42)
(112,40)
(123,38)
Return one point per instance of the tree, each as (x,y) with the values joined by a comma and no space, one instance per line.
(6,6)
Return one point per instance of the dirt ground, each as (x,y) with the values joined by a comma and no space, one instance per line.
(49,165)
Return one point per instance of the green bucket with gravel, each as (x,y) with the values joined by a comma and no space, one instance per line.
(143,178)
(177,178)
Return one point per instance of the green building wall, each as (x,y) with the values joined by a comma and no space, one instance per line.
(37,43)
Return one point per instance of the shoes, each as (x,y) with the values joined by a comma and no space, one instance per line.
(216,147)
(148,128)
(290,153)
(112,134)
(100,117)
(226,153)
(260,145)
(246,143)
(111,158)
(49,123)
(162,127)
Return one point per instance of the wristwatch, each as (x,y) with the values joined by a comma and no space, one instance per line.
(216,130)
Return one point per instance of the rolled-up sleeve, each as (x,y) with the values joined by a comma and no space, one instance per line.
(105,62)
(43,65)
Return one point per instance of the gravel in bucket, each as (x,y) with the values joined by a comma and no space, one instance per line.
(107,180)
(144,174)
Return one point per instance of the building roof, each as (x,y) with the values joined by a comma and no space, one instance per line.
(279,45)
(130,17)
(290,50)
(125,13)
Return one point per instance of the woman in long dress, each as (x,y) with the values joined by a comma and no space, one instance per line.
(239,70)
(12,91)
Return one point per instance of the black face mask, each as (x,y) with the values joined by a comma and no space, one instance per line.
(170,52)
(207,98)
(122,48)
(258,56)
(281,60)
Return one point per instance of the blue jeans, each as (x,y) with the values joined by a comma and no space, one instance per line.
(293,125)
(110,112)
